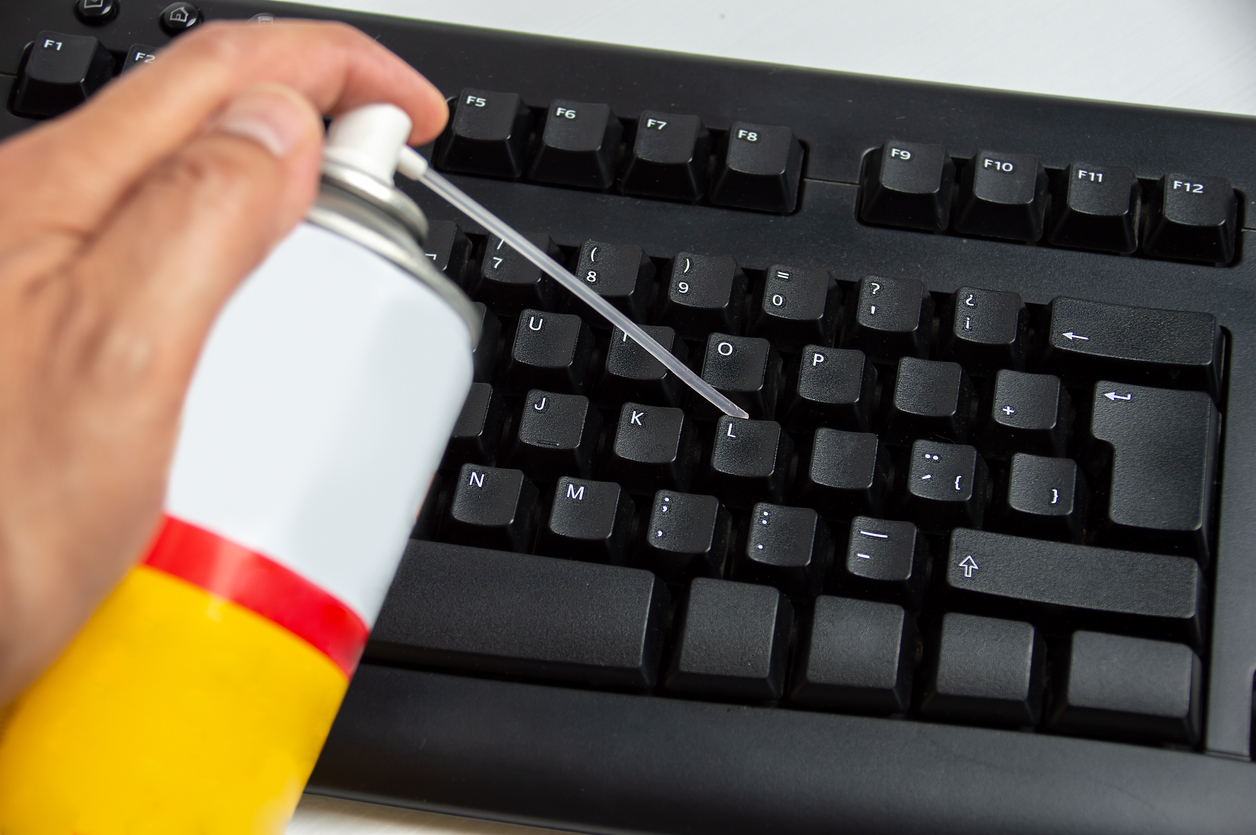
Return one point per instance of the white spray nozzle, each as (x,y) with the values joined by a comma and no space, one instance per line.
(373,139)
(370,139)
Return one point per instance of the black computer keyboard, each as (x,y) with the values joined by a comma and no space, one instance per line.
(981,560)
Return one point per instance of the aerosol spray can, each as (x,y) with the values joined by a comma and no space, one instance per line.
(198,696)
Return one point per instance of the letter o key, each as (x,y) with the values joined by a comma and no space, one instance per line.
(725,349)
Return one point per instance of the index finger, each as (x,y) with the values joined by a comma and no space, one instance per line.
(97,152)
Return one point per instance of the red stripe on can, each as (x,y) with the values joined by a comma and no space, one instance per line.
(261,585)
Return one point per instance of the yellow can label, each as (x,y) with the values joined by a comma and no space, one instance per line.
(174,711)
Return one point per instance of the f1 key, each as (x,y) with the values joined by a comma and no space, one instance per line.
(1174,348)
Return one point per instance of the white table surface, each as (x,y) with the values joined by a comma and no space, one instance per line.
(1197,54)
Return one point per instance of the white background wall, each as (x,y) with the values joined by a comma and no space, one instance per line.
(1198,54)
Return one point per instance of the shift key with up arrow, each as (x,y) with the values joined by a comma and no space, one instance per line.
(1062,586)
(1175,348)
(1164,455)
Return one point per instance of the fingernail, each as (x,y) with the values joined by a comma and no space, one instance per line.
(274,119)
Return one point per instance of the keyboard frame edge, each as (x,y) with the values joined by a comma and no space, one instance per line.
(457,712)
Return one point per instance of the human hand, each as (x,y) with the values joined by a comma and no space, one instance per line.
(124,227)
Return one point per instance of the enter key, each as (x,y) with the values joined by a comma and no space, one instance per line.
(1164,457)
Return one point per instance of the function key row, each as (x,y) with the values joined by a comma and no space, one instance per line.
(1013,197)
(664,155)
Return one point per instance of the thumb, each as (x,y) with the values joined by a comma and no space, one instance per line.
(200,222)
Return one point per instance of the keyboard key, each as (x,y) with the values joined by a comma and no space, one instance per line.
(1164,457)
(619,273)
(1079,586)
(1129,687)
(750,461)
(550,350)
(908,184)
(745,368)
(1045,498)
(797,306)
(633,374)
(931,400)
(178,18)
(479,428)
(578,145)
(668,158)
(508,282)
(139,54)
(1002,196)
(484,357)
(892,318)
(557,435)
(987,672)
(833,387)
(487,134)
(1176,348)
(96,12)
(654,447)
(946,486)
(1029,412)
(492,507)
(845,474)
(856,656)
(60,72)
(760,169)
(448,248)
(588,520)
(705,293)
(1192,218)
(1099,210)
(786,547)
(520,615)
(688,536)
(732,642)
(886,560)
(985,330)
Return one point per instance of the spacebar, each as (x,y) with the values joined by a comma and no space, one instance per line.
(499,613)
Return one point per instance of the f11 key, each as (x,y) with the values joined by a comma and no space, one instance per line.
(1175,348)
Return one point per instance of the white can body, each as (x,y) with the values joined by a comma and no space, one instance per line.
(319,410)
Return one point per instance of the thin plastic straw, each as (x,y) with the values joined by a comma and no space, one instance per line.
(415,166)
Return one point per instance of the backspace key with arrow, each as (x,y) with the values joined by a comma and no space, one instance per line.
(1174,348)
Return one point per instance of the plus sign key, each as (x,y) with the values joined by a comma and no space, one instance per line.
(1029,413)
(946,486)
